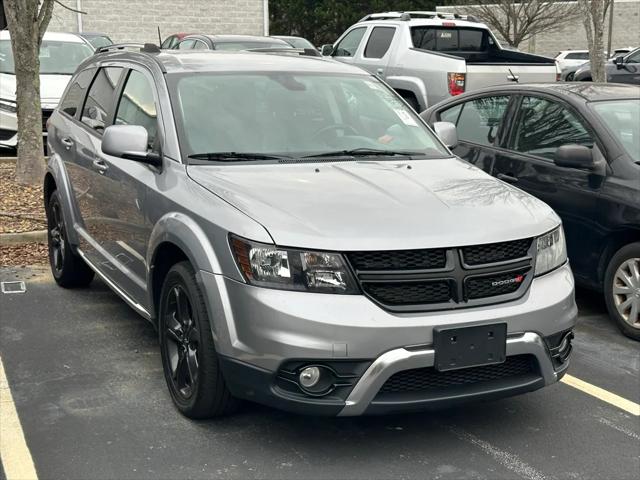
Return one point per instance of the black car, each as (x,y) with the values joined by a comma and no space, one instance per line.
(576,147)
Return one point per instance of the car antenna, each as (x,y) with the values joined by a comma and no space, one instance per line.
(159,37)
(515,79)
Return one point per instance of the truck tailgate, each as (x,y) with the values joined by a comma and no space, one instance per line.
(484,75)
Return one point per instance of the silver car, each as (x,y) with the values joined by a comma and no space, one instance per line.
(300,237)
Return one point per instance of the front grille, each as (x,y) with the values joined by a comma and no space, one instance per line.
(399,259)
(492,285)
(417,293)
(440,278)
(428,378)
(496,252)
(6,134)
(46,113)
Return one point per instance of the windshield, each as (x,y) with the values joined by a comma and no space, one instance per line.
(237,46)
(99,42)
(55,57)
(622,117)
(294,115)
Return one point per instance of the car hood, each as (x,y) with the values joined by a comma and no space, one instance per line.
(378,205)
(51,88)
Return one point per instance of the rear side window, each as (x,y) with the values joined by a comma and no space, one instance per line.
(577,56)
(137,105)
(545,125)
(447,39)
(100,98)
(350,43)
(72,101)
(379,42)
(480,119)
(200,45)
(186,45)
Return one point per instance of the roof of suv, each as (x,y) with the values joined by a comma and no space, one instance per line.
(175,61)
(587,91)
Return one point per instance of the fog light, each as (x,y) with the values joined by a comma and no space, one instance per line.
(309,377)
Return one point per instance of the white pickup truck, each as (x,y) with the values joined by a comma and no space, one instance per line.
(429,56)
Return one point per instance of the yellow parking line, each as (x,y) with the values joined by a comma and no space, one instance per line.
(602,394)
(14,453)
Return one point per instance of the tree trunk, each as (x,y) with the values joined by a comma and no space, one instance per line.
(24,23)
(594,12)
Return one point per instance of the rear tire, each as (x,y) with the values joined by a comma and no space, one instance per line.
(622,289)
(68,269)
(189,358)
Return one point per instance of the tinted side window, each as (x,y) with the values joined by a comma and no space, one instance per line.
(100,98)
(72,101)
(447,39)
(186,45)
(634,57)
(451,114)
(169,42)
(200,45)
(577,56)
(379,42)
(137,105)
(480,119)
(545,125)
(349,44)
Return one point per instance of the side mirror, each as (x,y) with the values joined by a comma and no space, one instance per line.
(326,50)
(574,156)
(129,142)
(447,132)
(619,62)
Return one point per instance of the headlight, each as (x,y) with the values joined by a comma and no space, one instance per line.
(288,269)
(8,105)
(552,251)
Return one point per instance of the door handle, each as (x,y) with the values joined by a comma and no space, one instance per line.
(101,166)
(507,178)
(67,142)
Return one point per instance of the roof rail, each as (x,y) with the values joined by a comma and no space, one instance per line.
(406,16)
(142,47)
(309,52)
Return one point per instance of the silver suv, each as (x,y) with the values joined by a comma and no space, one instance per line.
(300,238)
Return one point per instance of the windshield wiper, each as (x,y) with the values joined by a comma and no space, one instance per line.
(234,156)
(365,152)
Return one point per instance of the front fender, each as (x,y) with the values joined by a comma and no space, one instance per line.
(414,85)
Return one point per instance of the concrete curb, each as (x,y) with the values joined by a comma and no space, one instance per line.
(36,236)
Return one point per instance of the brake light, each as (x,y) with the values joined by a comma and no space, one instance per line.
(456,83)
(448,24)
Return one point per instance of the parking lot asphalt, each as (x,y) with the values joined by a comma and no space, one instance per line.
(85,375)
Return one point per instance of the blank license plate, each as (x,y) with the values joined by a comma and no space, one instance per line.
(465,347)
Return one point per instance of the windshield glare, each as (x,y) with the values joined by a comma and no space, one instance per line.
(294,114)
(622,117)
(55,57)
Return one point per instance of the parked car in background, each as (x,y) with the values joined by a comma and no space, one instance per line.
(621,52)
(577,147)
(229,42)
(60,55)
(429,56)
(96,40)
(296,42)
(621,69)
(310,245)
(569,61)
(172,40)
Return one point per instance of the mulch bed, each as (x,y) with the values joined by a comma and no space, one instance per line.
(21,210)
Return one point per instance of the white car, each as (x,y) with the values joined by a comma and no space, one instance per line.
(572,58)
(60,54)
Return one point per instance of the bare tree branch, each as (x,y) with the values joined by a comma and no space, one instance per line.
(518,21)
(68,7)
(44,17)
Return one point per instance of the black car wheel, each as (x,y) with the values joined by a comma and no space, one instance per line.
(68,269)
(622,289)
(189,358)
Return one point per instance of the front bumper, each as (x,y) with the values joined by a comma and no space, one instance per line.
(258,331)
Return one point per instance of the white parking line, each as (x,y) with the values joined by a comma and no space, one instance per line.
(14,453)
(510,461)
(602,394)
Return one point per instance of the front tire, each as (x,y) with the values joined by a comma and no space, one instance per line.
(68,269)
(189,359)
(622,289)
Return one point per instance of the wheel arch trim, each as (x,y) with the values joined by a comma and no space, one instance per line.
(55,170)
